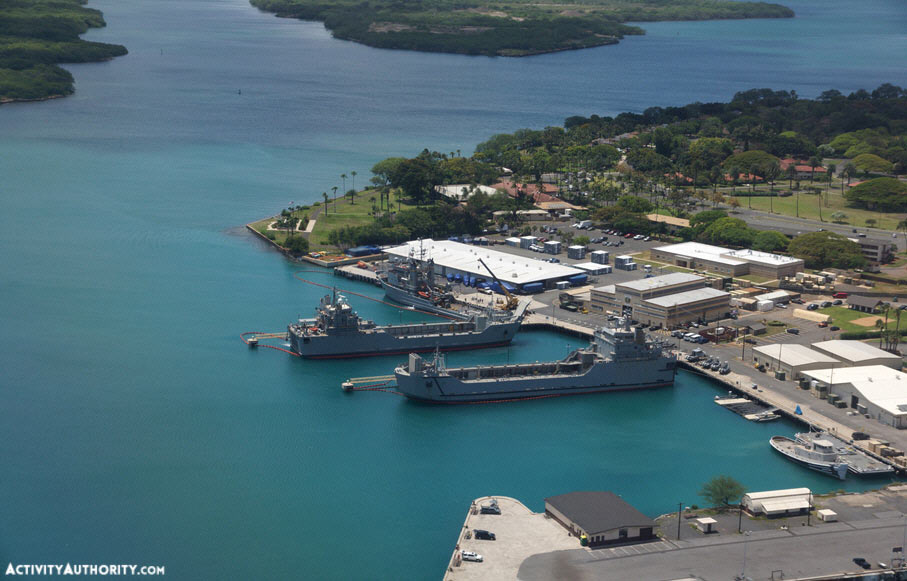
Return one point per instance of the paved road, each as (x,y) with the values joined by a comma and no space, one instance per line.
(792,226)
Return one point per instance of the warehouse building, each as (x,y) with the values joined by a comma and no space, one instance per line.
(669,300)
(791,359)
(856,354)
(777,503)
(455,258)
(728,262)
(876,390)
(603,518)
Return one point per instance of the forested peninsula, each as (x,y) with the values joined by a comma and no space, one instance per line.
(508,28)
(36,35)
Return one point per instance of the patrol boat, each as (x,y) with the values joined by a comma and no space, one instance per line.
(619,358)
(337,331)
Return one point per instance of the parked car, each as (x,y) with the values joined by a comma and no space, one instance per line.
(793,330)
(837,302)
(470,556)
(797,301)
(834,328)
(483,535)
(862,562)
(492,508)
(812,307)
(839,296)
(826,304)
(823,324)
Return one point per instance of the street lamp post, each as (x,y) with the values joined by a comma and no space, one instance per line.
(679,508)
(746,538)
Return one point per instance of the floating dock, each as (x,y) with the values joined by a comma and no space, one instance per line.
(354,272)
(748,409)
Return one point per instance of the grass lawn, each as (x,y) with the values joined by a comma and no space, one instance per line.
(755,278)
(809,208)
(842,317)
(345,213)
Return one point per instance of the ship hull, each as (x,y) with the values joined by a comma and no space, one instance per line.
(401,296)
(378,342)
(780,443)
(601,377)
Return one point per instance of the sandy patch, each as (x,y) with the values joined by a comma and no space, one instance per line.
(868,321)
(388,27)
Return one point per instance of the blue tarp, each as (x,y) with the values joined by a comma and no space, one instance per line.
(578,279)
(363,251)
(533,287)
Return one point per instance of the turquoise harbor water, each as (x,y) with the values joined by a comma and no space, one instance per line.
(138,428)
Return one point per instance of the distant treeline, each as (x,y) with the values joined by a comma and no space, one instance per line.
(36,35)
(505,29)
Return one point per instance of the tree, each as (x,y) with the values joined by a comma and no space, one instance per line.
(325,196)
(882,194)
(722,491)
(343,177)
(581,240)
(826,249)
(297,245)
(731,231)
(353,174)
(839,217)
(335,198)
(770,241)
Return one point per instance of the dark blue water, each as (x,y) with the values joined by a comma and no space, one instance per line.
(137,427)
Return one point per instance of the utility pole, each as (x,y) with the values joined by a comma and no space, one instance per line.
(679,508)
(739,518)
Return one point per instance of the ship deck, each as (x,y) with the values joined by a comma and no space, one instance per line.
(857,461)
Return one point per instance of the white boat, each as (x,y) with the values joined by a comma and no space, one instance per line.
(815,453)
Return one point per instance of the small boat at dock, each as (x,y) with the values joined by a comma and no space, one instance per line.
(816,454)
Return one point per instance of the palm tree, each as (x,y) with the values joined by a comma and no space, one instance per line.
(814,162)
(771,171)
(325,196)
(335,198)
(353,175)
(343,177)
(902,225)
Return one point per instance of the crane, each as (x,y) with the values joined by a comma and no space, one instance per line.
(512,301)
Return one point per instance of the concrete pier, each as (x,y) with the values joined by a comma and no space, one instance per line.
(353,272)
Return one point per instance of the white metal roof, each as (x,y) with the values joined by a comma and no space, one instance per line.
(778,294)
(776,493)
(687,297)
(703,251)
(854,351)
(646,284)
(784,504)
(794,355)
(465,258)
(592,266)
(882,385)
(747,255)
(608,289)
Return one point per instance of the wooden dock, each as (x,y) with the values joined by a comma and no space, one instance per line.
(353,272)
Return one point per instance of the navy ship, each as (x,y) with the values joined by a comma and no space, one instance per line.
(337,331)
(619,358)
(412,283)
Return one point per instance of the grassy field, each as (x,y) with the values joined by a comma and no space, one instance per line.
(809,208)
(335,215)
(843,317)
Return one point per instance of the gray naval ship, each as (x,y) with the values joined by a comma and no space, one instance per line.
(619,358)
(412,283)
(337,331)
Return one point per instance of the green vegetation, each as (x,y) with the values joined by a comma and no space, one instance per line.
(842,317)
(510,28)
(827,249)
(885,194)
(722,491)
(36,35)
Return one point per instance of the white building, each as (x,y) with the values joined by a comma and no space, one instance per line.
(778,502)
(856,353)
(790,358)
(876,390)
(456,258)
(726,261)
(461,192)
